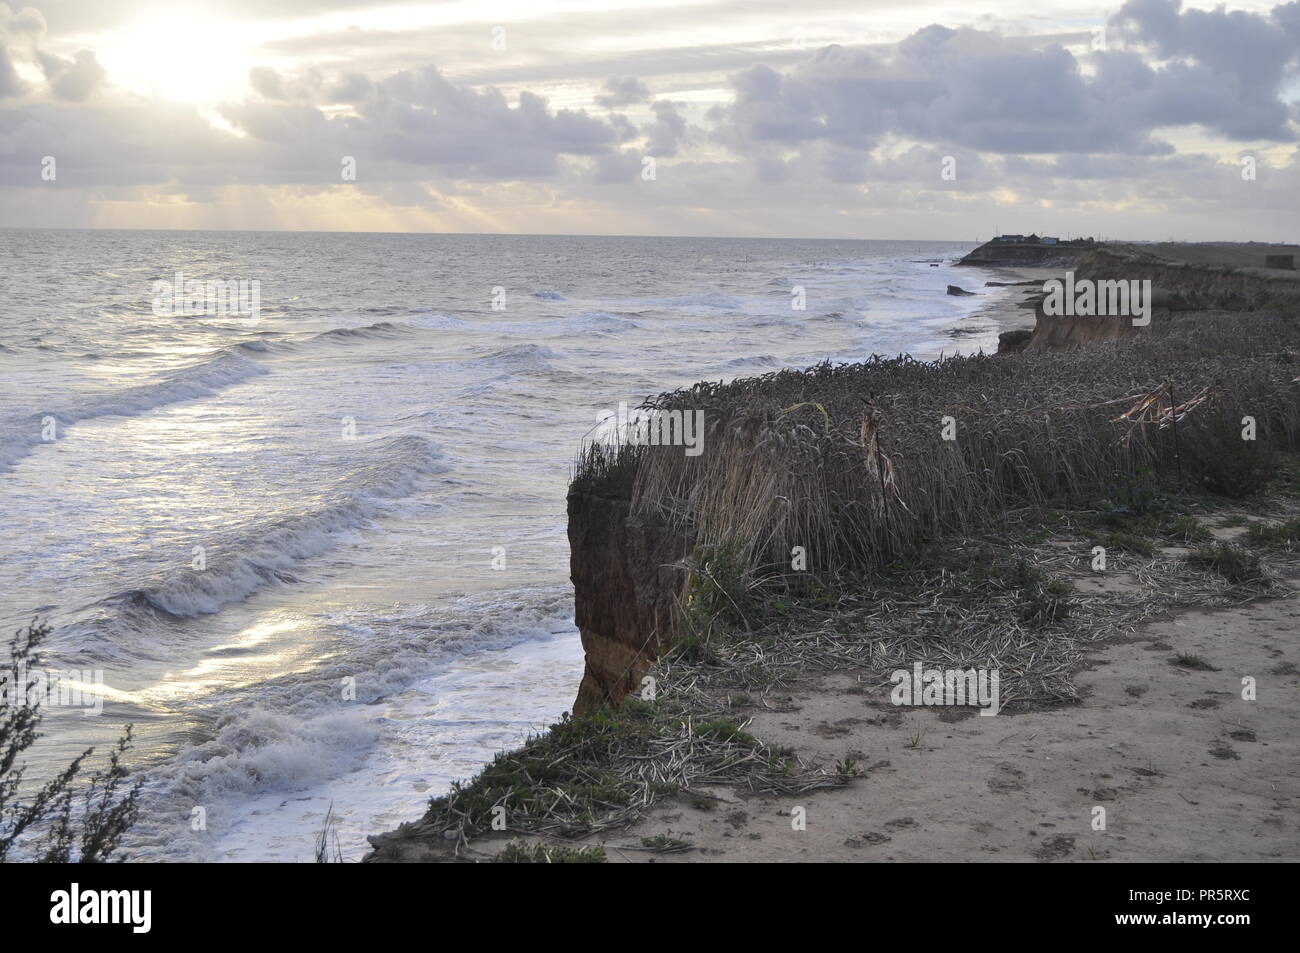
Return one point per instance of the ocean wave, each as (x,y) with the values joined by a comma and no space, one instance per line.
(433,321)
(761,360)
(712,300)
(384,329)
(267,552)
(228,368)
(292,733)
(600,322)
(518,357)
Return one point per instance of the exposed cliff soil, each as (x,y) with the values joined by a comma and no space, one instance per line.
(626,585)
(1205,285)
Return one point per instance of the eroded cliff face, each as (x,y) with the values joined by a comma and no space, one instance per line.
(1175,287)
(626,590)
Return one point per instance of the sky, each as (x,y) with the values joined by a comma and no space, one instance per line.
(911,119)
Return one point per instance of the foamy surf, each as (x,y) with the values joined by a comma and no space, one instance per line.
(227,369)
(262,554)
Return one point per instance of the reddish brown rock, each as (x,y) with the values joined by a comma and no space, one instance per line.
(626,590)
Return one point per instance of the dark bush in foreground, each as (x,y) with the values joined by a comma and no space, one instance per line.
(55,824)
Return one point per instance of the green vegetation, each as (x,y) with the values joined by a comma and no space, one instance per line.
(328,850)
(665,844)
(60,821)
(1193,661)
(596,771)
(1237,565)
(517,852)
(1275,535)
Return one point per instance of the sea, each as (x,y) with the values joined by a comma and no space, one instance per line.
(294,503)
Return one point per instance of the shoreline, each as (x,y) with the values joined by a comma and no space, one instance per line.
(780,710)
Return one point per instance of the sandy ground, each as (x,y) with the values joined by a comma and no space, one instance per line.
(1185,769)
(1007,306)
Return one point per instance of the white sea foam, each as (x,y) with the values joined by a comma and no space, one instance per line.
(265,553)
(18,439)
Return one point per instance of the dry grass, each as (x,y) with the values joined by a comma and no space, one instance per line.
(848,461)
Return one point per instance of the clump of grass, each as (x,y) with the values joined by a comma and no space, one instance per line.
(666,844)
(699,801)
(718,588)
(517,852)
(1220,461)
(1234,563)
(1194,661)
(1139,500)
(1047,602)
(1284,535)
(1042,599)
(1286,475)
(692,646)
(607,469)
(1126,542)
(328,849)
(726,730)
(1184,529)
(602,769)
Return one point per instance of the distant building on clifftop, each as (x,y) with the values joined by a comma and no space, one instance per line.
(1035,240)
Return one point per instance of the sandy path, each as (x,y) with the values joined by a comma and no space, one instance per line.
(1185,769)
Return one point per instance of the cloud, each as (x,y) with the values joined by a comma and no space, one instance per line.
(623,91)
(979,90)
(350,87)
(266,82)
(23,30)
(1233,62)
(667,131)
(75,80)
(829,138)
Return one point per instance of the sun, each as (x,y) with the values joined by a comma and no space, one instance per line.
(183,59)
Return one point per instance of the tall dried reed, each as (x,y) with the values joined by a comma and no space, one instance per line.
(850,462)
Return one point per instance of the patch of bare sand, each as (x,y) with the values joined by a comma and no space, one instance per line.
(1009,304)
(1185,769)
